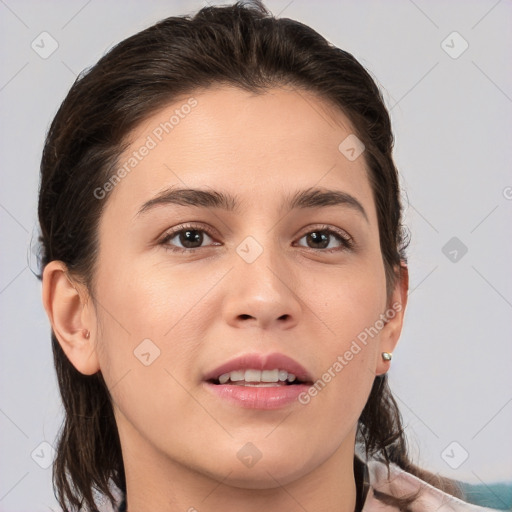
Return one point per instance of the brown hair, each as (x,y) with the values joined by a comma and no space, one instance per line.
(239,45)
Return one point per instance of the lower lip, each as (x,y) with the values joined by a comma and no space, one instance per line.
(248,397)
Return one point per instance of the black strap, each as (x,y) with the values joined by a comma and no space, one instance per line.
(362,482)
(122,506)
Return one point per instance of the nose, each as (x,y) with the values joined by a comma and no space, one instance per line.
(262,292)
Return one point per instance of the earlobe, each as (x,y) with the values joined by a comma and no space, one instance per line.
(390,333)
(71,317)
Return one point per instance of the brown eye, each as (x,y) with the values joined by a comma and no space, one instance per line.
(323,239)
(189,238)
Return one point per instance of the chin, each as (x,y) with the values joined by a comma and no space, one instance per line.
(263,479)
(271,473)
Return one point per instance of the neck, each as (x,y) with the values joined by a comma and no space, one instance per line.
(155,482)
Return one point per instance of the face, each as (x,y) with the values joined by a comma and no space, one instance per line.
(181,287)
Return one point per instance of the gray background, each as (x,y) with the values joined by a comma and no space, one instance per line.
(452,120)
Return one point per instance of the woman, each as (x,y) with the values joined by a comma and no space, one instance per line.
(225,276)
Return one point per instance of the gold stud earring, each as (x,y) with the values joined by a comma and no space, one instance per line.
(386,356)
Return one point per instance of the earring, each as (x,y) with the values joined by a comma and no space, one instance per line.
(386,356)
(86,334)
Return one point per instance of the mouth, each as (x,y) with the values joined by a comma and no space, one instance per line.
(255,369)
(258,381)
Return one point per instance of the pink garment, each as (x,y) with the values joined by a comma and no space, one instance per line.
(402,483)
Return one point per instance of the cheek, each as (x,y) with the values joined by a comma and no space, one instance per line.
(351,323)
(154,301)
(153,319)
(350,303)
(149,337)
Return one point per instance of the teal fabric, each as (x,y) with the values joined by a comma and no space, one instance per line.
(496,495)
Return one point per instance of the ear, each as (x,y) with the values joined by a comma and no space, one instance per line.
(71,315)
(390,333)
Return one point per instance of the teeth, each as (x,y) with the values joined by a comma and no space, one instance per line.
(224,378)
(251,376)
(236,376)
(270,375)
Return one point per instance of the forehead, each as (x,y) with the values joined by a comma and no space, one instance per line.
(257,145)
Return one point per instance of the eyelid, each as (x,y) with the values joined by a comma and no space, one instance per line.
(184,227)
(327,227)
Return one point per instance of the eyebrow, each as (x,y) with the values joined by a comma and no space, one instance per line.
(302,199)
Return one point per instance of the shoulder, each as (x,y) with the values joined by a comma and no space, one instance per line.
(401,483)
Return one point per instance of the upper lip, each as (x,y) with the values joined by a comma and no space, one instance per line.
(259,361)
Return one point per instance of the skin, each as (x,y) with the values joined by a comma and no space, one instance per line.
(207,306)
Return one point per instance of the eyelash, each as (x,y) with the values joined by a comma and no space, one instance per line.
(345,239)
